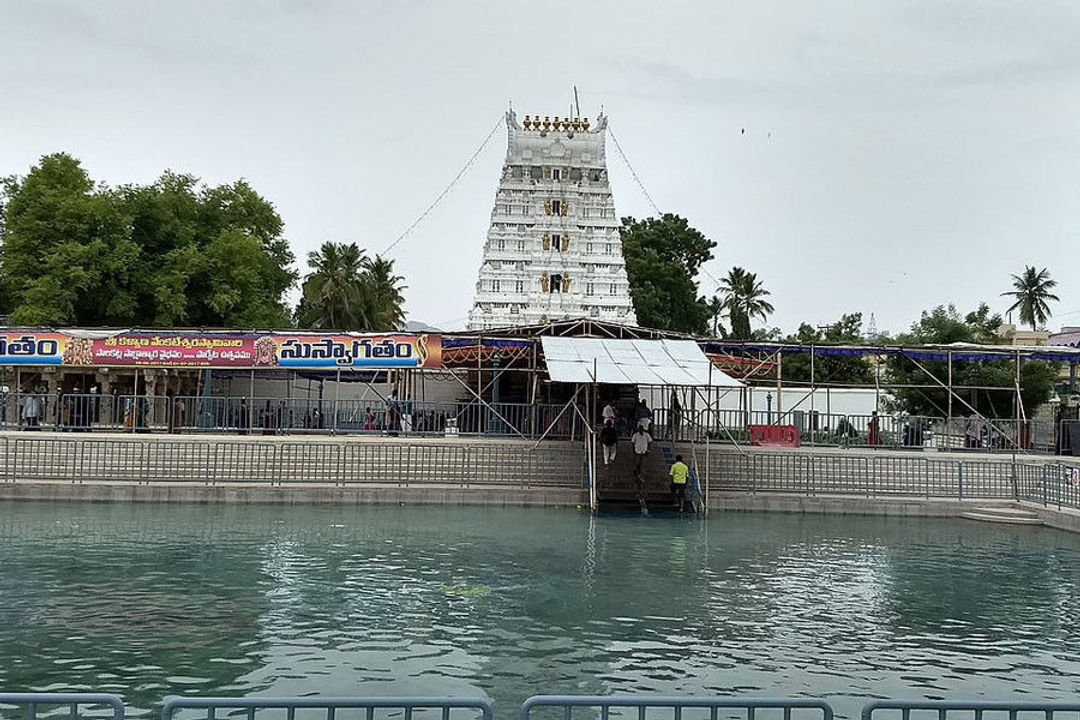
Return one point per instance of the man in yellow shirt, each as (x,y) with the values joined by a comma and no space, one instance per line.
(679,472)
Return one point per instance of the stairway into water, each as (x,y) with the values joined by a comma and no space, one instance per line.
(623,486)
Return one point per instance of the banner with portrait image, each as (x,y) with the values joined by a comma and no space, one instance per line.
(310,351)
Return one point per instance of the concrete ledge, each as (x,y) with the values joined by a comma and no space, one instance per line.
(293,494)
(848,504)
(1063,519)
(895,506)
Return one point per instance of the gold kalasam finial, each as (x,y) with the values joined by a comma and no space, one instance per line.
(585,124)
(547,122)
(556,123)
(526,123)
(577,124)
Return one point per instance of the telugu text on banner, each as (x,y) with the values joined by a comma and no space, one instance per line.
(221,350)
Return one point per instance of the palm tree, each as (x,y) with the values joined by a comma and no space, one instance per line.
(347,290)
(1032,293)
(717,314)
(333,297)
(743,296)
(382,292)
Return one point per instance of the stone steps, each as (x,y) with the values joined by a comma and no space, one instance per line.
(1003,514)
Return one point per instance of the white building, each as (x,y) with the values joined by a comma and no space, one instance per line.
(553,250)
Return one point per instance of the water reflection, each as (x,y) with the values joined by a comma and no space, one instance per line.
(148,600)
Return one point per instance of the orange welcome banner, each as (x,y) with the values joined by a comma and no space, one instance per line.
(311,351)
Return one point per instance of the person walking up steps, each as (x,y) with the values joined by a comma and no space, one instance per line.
(679,472)
(643,415)
(609,438)
(640,440)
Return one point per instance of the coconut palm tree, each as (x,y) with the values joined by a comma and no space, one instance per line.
(717,315)
(332,296)
(1032,294)
(382,292)
(743,297)
(347,290)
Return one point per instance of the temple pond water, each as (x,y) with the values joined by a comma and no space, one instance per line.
(154,600)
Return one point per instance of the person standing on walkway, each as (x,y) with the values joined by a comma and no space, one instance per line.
(679,472)
(32,412)
(242,417)
(873,431)
(675,412)
(640,440)
(609,438)
(609,414)
(407,415)
(643,415)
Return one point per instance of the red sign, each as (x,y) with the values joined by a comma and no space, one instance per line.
(774,435)
(168,350)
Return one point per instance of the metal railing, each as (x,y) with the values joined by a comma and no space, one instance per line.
(74,705)
(901,431)
(561,707)
(745,708)
(209,461)
(275,416)
(1052,484)
(327,708)
(973,710)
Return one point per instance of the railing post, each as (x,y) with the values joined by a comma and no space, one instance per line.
(960,479)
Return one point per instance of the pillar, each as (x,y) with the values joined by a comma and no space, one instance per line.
(105,398)
(52,387)
(151,377)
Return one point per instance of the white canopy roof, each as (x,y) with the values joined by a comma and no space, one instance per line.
(631,362)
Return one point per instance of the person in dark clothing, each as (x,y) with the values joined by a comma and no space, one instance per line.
(609,438)
(242,417)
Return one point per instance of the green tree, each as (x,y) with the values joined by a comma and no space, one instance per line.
(383,294)
(663,256)
(67,257)
(743,296)
(212,256)
(346,290)
(827,368)
(945,325)
(171,253)
(1032,293)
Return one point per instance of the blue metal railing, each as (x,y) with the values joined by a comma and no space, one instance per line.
(694,495)
(605,707)
(747,707)
(31,702)
(408,706)
(969,709)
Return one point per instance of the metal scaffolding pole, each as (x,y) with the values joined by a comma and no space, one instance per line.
(337,397)
(779,385)
(949,414)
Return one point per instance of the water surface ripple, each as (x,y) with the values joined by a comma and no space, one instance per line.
(152,600)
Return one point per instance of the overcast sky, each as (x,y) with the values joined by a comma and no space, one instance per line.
(896,155)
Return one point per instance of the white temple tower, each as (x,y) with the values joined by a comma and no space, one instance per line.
(553,250)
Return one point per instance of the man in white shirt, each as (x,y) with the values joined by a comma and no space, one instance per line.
(640,440)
